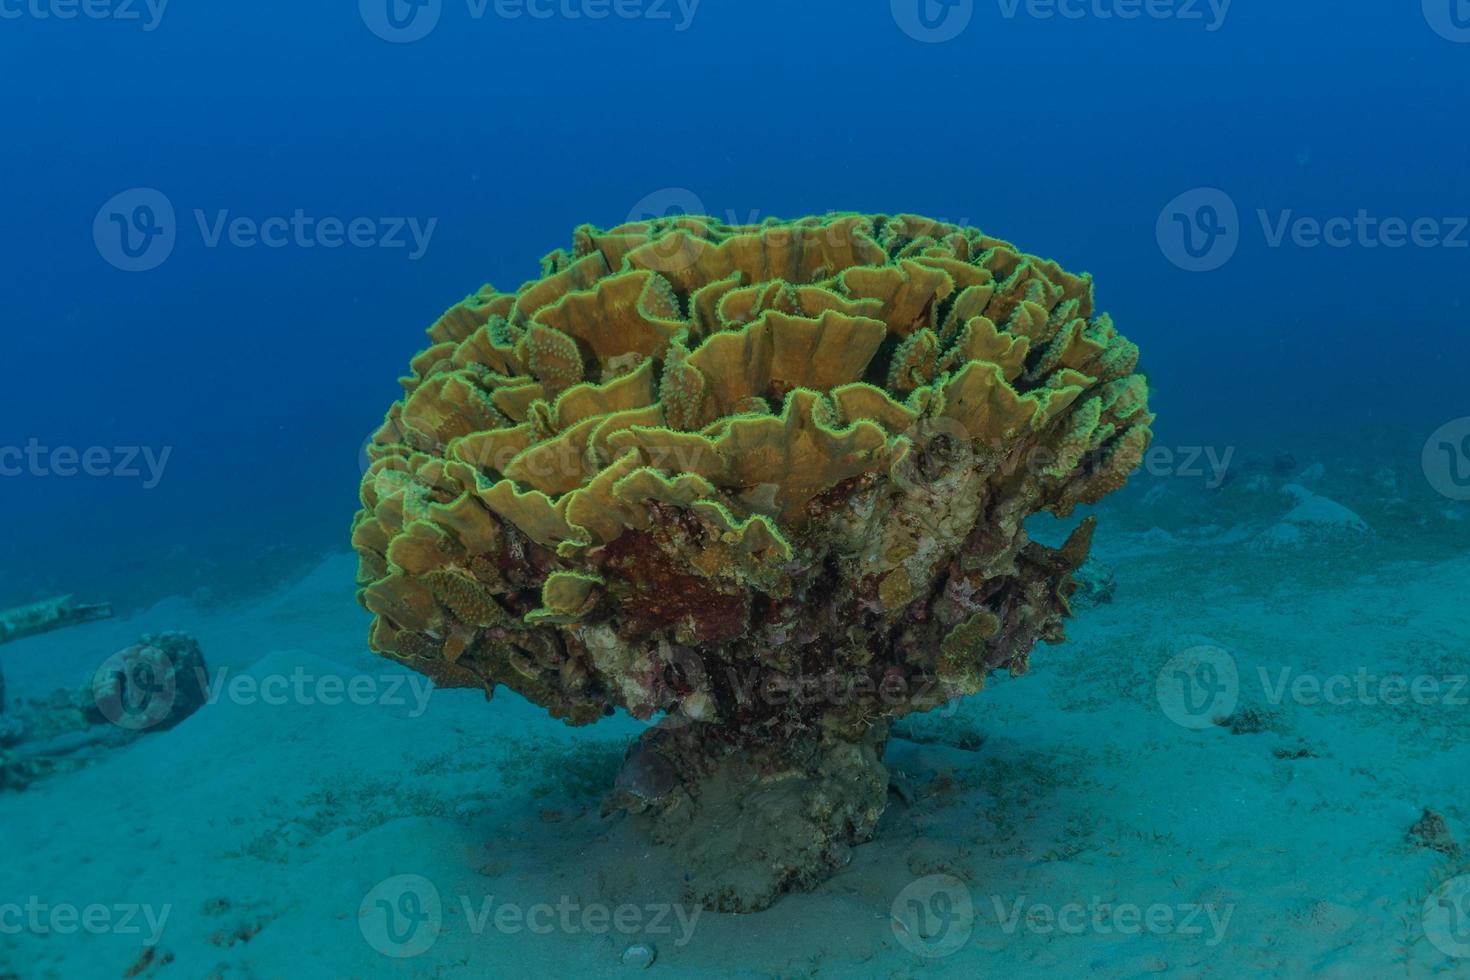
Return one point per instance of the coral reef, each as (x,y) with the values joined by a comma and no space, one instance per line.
(769,480)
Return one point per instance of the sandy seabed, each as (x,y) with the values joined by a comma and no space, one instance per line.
(1215,777)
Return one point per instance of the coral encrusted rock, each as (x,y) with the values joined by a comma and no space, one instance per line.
(1433,831)
(767,480)
(152,685)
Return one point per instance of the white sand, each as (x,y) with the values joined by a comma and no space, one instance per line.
(260,828)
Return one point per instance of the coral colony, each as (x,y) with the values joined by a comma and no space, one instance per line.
(769,481)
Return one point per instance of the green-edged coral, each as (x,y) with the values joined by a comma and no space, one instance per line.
(693,463)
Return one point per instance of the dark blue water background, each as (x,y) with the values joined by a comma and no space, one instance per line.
(262,370)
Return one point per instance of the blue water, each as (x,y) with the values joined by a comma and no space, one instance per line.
(1182,156)
(265,368)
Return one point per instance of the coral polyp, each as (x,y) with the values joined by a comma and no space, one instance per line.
(769,482)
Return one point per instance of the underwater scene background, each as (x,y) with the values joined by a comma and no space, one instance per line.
(227,231)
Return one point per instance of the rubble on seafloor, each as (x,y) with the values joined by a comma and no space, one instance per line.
(147,687)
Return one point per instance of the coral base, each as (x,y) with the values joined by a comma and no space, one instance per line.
(747,823)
